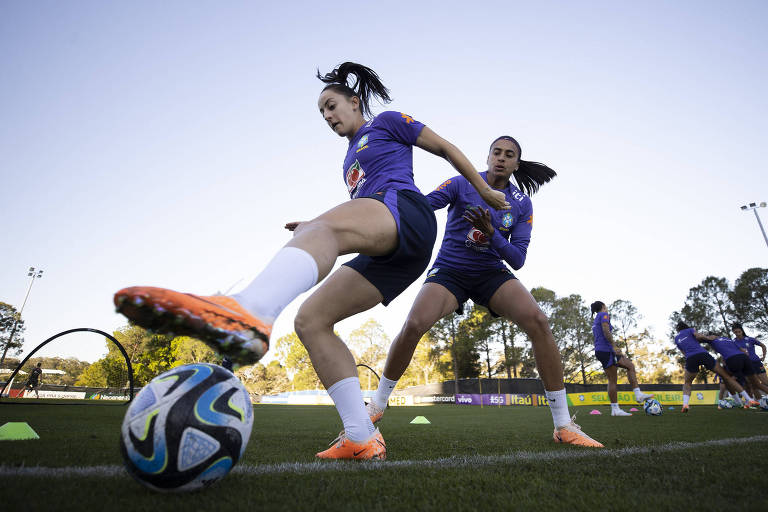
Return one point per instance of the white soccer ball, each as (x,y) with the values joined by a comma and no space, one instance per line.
(725,404)
(764,403)
(187,428)
(652,407)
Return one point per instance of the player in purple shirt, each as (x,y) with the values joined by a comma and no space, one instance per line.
(738,364)
(748,343)
(687,340)
(611,358)
(387,221)
(471,265)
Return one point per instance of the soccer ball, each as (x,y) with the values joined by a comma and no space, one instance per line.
(764,403)
(652,407)
(187,428)
(725,404)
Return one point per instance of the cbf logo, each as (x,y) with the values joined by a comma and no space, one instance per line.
(362,143)
(477,240)
(355,178)
(507,219)
(433,272)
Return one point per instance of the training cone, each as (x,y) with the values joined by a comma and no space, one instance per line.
(595,411)
(17,431)
(634,409)
(420,420)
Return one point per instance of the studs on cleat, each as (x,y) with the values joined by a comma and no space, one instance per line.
(121,300)
(138,301)
(158,310)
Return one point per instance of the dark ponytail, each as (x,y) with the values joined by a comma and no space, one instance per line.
(681,326)
(529,175)
(596,306)
(366,84)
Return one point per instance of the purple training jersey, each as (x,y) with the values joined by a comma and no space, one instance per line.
(601,343)
(688,344)
(467,248)
(380,155)
(725,347)
(748,344)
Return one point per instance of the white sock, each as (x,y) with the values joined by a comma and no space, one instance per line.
(686,398)
(558,406)
(737,400)
(385,389)
(615,407)
(290,273)
(348,398)
(745,396)
(637,393)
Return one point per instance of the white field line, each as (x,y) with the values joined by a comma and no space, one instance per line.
(348,466)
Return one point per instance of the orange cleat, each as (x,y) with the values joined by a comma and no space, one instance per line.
(218,321)
(342,447)
(572,434)
(751,404)
(374,411)
(684,408)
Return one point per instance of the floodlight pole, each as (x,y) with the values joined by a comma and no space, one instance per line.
(34,274)
(754,207)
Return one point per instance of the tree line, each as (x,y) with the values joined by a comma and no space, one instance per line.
(474,344)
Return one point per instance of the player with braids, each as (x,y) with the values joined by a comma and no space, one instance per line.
(470,265)
(612,359)
(387,221)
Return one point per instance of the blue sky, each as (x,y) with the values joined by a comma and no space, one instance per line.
(167,144)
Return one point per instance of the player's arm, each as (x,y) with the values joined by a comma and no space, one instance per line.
(514,250)
(429,141)
(609,336)
(703,337)
(761,345)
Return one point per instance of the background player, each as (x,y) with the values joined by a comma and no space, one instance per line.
(35,379)
(611,358)
(748,343)
(388,221)
(687,340)
(470,264)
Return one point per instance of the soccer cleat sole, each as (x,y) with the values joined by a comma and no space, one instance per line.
(243,347)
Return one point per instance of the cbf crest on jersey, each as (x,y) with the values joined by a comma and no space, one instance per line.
(507,219)
(355,178)
(362,143)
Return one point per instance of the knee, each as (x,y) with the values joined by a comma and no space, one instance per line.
(536,323)
(413,329)
(307,322)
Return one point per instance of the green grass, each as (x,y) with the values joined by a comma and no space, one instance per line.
(704,477)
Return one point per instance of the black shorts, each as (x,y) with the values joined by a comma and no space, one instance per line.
(740,366)
(607,358)
(416,231)
(757,367)
(693,363)
(478,286)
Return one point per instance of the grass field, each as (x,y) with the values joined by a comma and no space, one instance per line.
(467,459)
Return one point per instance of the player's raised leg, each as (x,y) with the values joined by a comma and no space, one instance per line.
(514,302)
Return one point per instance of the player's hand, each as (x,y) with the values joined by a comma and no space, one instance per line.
(291,226)
(480,218)
(495,199)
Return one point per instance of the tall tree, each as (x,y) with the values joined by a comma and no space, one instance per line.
(463,356)
(624,319)
(750,298)
(369,344)
(708,306)
(264,380)
(477,329)
(571,325)
(424,365)
(10,322)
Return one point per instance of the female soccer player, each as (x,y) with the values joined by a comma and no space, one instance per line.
(738,364)
(470,265)
(687,340)
(388,221)
(748,343)
(611,358)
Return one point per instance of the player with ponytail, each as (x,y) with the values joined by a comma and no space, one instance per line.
(471,265)
(387,221)
(612,359)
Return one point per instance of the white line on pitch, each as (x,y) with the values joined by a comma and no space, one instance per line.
(349,466)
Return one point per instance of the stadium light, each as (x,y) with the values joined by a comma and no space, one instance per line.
(754,207)
(34,274)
